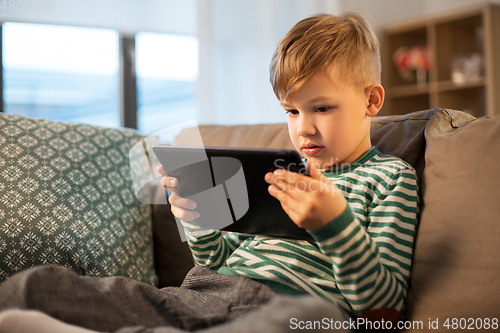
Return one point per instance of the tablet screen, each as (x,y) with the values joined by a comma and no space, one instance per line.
(229,188)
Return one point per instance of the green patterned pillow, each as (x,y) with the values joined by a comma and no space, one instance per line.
(67,198)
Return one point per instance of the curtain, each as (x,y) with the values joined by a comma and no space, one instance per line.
(237,39)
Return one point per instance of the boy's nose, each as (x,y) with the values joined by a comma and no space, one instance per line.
(306,127)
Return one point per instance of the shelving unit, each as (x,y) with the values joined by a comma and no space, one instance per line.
(472,31)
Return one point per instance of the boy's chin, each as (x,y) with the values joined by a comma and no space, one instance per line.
(323,163)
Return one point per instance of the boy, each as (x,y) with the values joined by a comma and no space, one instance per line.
(326,73)
(359,205)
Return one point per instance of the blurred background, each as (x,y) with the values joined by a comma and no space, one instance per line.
(151,64)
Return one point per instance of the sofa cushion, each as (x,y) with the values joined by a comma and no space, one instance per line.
(403,136)
(66,198)
(456,265)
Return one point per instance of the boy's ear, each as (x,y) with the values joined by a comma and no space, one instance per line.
(375,95)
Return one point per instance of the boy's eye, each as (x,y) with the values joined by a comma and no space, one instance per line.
(322,109)
(293,112)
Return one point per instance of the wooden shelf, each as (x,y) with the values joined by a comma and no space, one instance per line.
(409,90)
(472,31)
(449,85)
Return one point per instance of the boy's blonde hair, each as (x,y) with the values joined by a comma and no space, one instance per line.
(316,42)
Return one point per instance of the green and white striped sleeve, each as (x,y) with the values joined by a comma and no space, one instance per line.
(211,248)
(372,265)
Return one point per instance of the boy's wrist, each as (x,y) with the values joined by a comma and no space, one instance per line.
(335,226)
(335,207)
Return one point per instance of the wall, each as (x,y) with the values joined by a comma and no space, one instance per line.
(171,16)
(237,40)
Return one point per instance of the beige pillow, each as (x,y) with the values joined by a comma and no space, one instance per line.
(456,267)
(248,136)
(403,136)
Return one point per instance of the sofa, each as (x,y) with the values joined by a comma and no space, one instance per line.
(67,198)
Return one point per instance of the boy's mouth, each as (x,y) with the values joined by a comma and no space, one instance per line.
(311,149)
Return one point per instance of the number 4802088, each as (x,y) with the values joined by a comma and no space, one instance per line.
(28,5)
(471,323)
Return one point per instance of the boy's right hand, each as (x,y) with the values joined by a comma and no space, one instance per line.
(182,208)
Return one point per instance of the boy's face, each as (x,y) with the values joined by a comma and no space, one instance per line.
(328,119)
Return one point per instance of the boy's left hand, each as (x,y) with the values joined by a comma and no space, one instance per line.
(310,201)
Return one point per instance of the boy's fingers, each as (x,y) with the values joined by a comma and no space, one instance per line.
(168,182)
(269,177)
(283,197)
(287,176)
(281,184)
(183,214)
(284,182)
(288,202)
(160,170)
(294,182)
(176,200)
(182,208)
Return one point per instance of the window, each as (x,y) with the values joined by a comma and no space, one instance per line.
(61,73)
(167,72)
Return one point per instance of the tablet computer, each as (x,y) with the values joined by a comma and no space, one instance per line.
(229,188)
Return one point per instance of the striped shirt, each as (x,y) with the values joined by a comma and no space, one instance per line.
(361,260)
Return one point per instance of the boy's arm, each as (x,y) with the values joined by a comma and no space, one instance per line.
(372,265)
(211,248)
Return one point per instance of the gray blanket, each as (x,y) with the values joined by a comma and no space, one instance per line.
(206,301)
